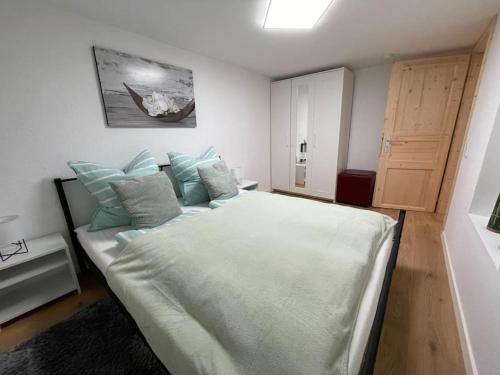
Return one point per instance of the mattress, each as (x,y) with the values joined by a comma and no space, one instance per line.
(102,248)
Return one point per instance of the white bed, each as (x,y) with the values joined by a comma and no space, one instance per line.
(103,248)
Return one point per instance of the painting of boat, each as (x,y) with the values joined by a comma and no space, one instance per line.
(138,92)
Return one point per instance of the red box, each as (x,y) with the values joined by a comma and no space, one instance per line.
(355,187)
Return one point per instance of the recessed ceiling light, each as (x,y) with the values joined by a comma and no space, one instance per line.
(294,14)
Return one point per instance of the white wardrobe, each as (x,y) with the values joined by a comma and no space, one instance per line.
(310,123)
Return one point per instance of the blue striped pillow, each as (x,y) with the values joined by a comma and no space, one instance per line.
(185,171)
(96,179)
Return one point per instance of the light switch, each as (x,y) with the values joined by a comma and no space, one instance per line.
(466,149)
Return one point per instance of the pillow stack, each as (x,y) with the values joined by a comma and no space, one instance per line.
(185,171)
(141,196)
(97,179)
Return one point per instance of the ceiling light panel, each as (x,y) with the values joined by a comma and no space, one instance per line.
(294,14)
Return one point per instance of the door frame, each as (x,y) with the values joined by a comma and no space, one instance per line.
(459,139)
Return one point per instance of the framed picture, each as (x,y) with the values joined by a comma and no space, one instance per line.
(140,93)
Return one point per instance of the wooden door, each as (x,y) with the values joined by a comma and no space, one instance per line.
(422,106)
(280,134)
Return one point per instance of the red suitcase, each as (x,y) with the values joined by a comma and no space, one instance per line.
(355,187)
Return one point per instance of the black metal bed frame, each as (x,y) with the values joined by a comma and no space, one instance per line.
(370,355)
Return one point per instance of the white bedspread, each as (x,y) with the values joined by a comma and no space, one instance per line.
(103,248)
(265,285)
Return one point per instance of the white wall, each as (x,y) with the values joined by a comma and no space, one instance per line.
(477,279)
(51,111)
(488,185)
(370,95)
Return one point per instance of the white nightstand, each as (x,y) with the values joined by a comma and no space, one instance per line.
(248,185)
(29,280)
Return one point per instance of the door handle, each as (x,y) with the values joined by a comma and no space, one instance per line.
(387,145)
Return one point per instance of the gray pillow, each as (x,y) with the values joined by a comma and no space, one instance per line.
(149,201)
(218,181)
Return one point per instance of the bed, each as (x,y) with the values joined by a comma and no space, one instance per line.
(100,249)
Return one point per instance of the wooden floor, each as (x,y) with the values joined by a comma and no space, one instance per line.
(419,335)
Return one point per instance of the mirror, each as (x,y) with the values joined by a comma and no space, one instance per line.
(301,139)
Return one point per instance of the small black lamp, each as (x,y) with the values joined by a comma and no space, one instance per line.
(11,238)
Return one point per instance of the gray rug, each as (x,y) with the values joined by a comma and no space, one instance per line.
(97,340)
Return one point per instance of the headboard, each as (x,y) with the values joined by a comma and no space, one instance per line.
(78,206)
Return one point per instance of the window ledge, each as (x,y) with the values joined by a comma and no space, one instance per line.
(490,239)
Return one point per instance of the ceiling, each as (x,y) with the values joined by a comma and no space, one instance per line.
(355,33)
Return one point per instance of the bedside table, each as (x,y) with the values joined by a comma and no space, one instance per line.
(248,185)
(32,279)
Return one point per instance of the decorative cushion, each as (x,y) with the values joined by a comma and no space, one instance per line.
(218,181)
(150,200)
(96,180)
(185,171)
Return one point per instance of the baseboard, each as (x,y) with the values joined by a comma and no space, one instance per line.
(468,354)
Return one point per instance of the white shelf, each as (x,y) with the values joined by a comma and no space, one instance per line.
(31,279)
(32,273)
(36,293)
(490,239)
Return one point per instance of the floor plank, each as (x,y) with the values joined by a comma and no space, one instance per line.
(419,334)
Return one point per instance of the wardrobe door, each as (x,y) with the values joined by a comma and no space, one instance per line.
(325,133)
(280,134)
(302,115)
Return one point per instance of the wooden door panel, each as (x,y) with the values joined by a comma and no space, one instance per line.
(422,107)
(424,97)
(403,152)
(406,185)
